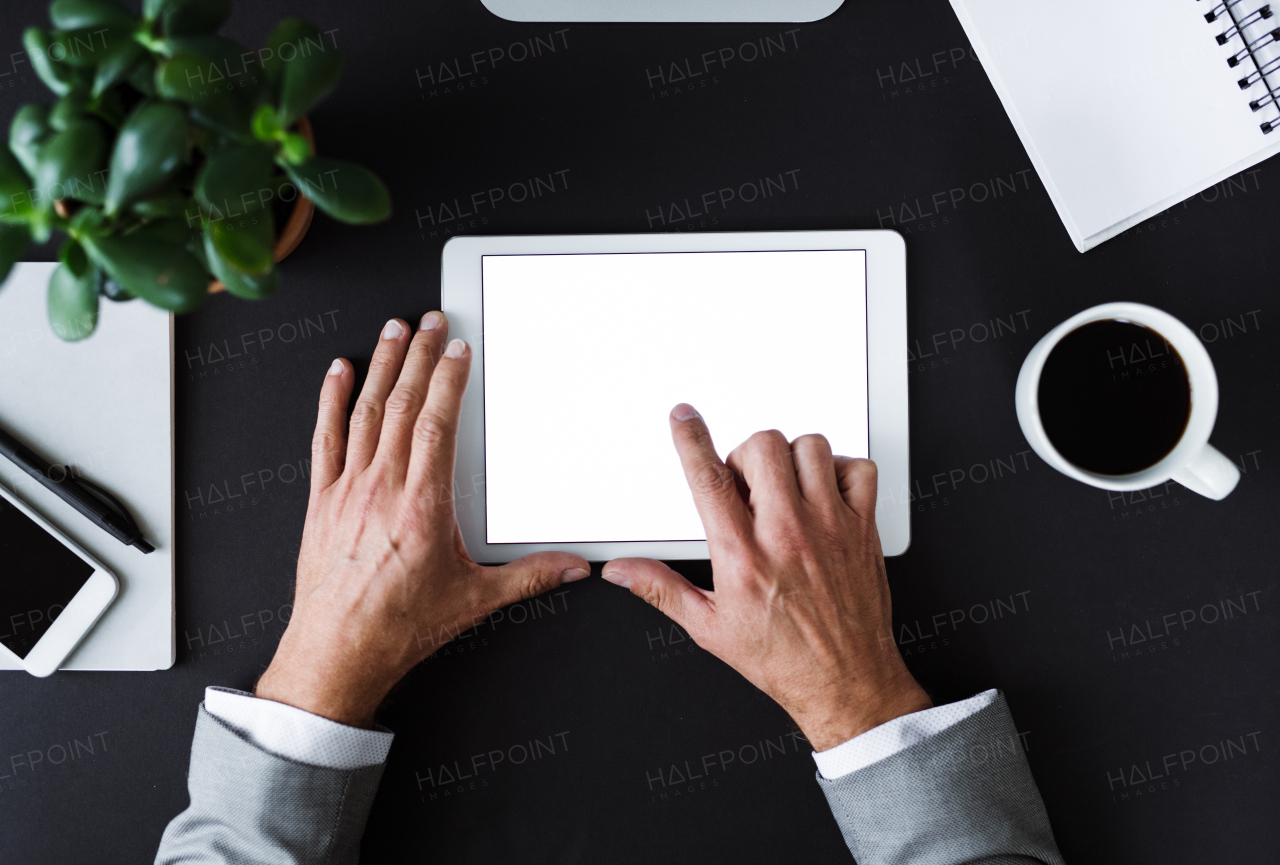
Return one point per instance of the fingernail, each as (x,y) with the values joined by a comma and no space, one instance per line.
(431,321)
(572,574)
(336,368)
(456,348)
(617,579)
(392,330)
(684,411)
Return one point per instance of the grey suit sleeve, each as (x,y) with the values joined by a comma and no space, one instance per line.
(964,795)
(249,806)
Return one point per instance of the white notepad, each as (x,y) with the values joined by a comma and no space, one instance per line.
(1127,107)
(104,405)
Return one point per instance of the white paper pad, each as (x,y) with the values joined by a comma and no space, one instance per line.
(104,405)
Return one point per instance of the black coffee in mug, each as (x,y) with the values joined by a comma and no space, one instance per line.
(1114,397)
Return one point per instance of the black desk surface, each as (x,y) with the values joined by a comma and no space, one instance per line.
(1070,599)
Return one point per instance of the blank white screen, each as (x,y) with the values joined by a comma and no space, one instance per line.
(585,355)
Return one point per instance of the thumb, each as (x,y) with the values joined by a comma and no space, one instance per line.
(858,479)
(532,575)
(680,600)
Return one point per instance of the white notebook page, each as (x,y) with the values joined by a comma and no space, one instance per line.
(1125,108)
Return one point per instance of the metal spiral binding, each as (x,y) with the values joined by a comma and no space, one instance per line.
(1247,51)
(1238,25)
(1228,11)
(1214,13)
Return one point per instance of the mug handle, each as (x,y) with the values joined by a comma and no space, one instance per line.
(1209,473)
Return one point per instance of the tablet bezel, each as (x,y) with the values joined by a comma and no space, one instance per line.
(461,301)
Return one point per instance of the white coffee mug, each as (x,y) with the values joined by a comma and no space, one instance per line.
(1193,462)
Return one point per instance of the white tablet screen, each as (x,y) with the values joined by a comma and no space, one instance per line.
(585,356)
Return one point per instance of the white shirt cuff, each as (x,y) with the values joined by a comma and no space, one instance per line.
(297,735)
(889,738)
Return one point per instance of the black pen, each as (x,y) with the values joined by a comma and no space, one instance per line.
(109,515)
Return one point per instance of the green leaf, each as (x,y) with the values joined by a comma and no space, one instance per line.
(73,304)
(230,67)
(15,198)
(193,17)
(343,190)
(238,282)
(87,221)
(195,246)
(151,9)
(246,243)
(168,204)
(247,287)
(73,257)
(30,127)
(234,180)
(143,77)
(185,78)
(182,77)
(40,223)
(55,74)
(15,201)
(13,245)
(85,48)
(265,125)
(116,65)
(110,107)
(233,61)
(69,110)
(155,270)
(170,231)
(10,167)
(302,66)
(80,14)
(70,165)
(102,55)
(287,32)
(149,149)
(295,149)
(233,187)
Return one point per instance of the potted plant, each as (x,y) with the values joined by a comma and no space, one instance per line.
(176,162)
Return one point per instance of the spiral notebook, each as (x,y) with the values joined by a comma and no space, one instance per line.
(1127,107)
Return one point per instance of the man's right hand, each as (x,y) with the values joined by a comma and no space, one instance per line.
(801,604)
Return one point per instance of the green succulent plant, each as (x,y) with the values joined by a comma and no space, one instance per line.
(168,155)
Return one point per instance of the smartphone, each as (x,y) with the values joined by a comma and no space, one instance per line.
(52,592)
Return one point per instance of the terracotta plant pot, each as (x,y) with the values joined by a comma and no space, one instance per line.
(295,228)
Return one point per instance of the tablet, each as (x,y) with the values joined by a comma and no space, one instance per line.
(582,344)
